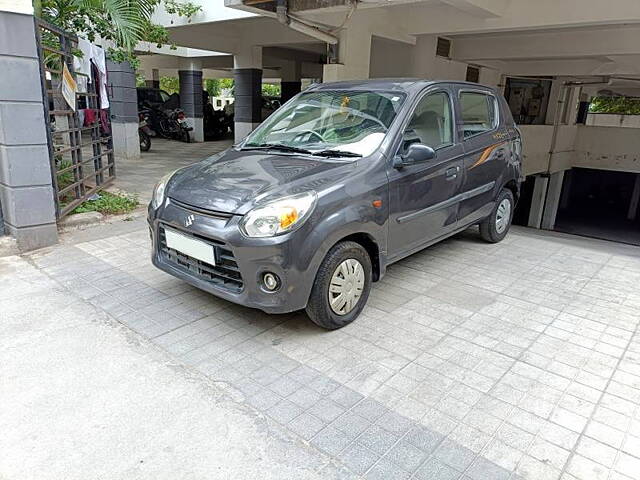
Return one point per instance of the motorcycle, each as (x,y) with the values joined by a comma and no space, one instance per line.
(178,116)
(169,123)
(144,132)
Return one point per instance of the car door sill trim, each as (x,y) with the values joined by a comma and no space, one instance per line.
(447,203)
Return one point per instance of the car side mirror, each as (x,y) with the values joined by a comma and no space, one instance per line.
(416,153)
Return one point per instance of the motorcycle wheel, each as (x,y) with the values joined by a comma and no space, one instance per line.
(145,141)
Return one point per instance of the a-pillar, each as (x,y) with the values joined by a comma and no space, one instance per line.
(290,81)
(247,106)
(123,103)
(26,193)
(152,78)
(190,75)
(354,55)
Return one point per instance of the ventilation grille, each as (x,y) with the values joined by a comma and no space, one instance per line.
(473,74)
(443,48)
(225,273)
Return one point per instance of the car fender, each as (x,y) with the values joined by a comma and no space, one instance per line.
(357,218)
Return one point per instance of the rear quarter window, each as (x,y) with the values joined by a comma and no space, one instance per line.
(479,112)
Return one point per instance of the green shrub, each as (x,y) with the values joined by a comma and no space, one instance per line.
(109,203)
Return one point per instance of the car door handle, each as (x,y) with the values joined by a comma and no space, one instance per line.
(451,173)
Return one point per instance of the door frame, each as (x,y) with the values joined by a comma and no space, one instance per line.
(394,149)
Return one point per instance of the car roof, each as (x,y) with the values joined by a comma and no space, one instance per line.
(389,84)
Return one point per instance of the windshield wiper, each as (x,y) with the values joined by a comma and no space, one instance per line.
(278,146)
(336,153)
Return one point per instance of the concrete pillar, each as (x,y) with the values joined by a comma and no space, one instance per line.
(191,101)
(537,201)
(247,73)
(152,78)
(121,86)
(635,199)
(290,82)
(552,202)
(26,192)
(556,101)
(354,55)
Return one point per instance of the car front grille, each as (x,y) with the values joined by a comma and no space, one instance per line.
(225,273)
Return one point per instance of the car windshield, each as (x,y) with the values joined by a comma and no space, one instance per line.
(350,122)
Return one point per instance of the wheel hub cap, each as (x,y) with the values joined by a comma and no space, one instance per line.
(346,286)
(503,215)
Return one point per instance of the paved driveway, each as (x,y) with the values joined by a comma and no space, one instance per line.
(474,361)
(139,175)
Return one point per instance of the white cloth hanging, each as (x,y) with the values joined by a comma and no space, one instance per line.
(82,65)
(98,58)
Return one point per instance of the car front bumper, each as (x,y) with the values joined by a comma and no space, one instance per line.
(251,258)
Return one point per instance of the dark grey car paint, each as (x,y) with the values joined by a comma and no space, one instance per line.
(421,204)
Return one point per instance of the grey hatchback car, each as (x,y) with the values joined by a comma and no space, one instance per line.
(341,181)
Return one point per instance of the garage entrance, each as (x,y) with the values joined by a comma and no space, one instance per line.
(600,204)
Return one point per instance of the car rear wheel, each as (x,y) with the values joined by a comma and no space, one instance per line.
(496,226)
(341,287)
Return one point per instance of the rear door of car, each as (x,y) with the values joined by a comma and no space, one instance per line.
(485,151)
(423,202)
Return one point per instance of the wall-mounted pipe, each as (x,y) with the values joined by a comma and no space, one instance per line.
(282,14)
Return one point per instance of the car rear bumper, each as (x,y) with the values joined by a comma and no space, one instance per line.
(241,262)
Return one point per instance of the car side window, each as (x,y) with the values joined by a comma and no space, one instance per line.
(431,123)
(479,113)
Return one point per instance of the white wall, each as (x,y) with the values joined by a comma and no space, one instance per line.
(613,120)
(607,148)
(390,58)
(212,11)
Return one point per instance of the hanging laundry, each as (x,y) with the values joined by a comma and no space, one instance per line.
(82,65)
(90,117)
(99,61)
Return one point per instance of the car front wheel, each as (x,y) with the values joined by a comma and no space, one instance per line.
(341,287)
(495,227)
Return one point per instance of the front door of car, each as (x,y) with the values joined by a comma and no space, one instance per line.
(423,204)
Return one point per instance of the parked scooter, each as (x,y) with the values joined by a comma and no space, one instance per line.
(144,132)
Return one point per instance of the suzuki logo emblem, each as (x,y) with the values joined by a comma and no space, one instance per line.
(189,220)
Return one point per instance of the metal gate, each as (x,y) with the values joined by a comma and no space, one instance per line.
(81,153)
(2,232)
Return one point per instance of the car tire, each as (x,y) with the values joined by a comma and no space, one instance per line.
(496,226)
(358,267)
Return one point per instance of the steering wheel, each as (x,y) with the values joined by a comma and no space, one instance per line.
(312,132)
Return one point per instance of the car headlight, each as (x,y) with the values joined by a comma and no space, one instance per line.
(159,189)
(279,216)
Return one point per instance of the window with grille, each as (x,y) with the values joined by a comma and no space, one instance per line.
(473,74)
(443,47)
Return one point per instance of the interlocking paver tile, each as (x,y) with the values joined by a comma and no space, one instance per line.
(434,469)
(331,440)
(306,425)
(454,455)
(461,366)
(406,455)
(358,458)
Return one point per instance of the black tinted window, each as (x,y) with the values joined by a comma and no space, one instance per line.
(479,113)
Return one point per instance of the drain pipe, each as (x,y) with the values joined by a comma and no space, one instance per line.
(282,13)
